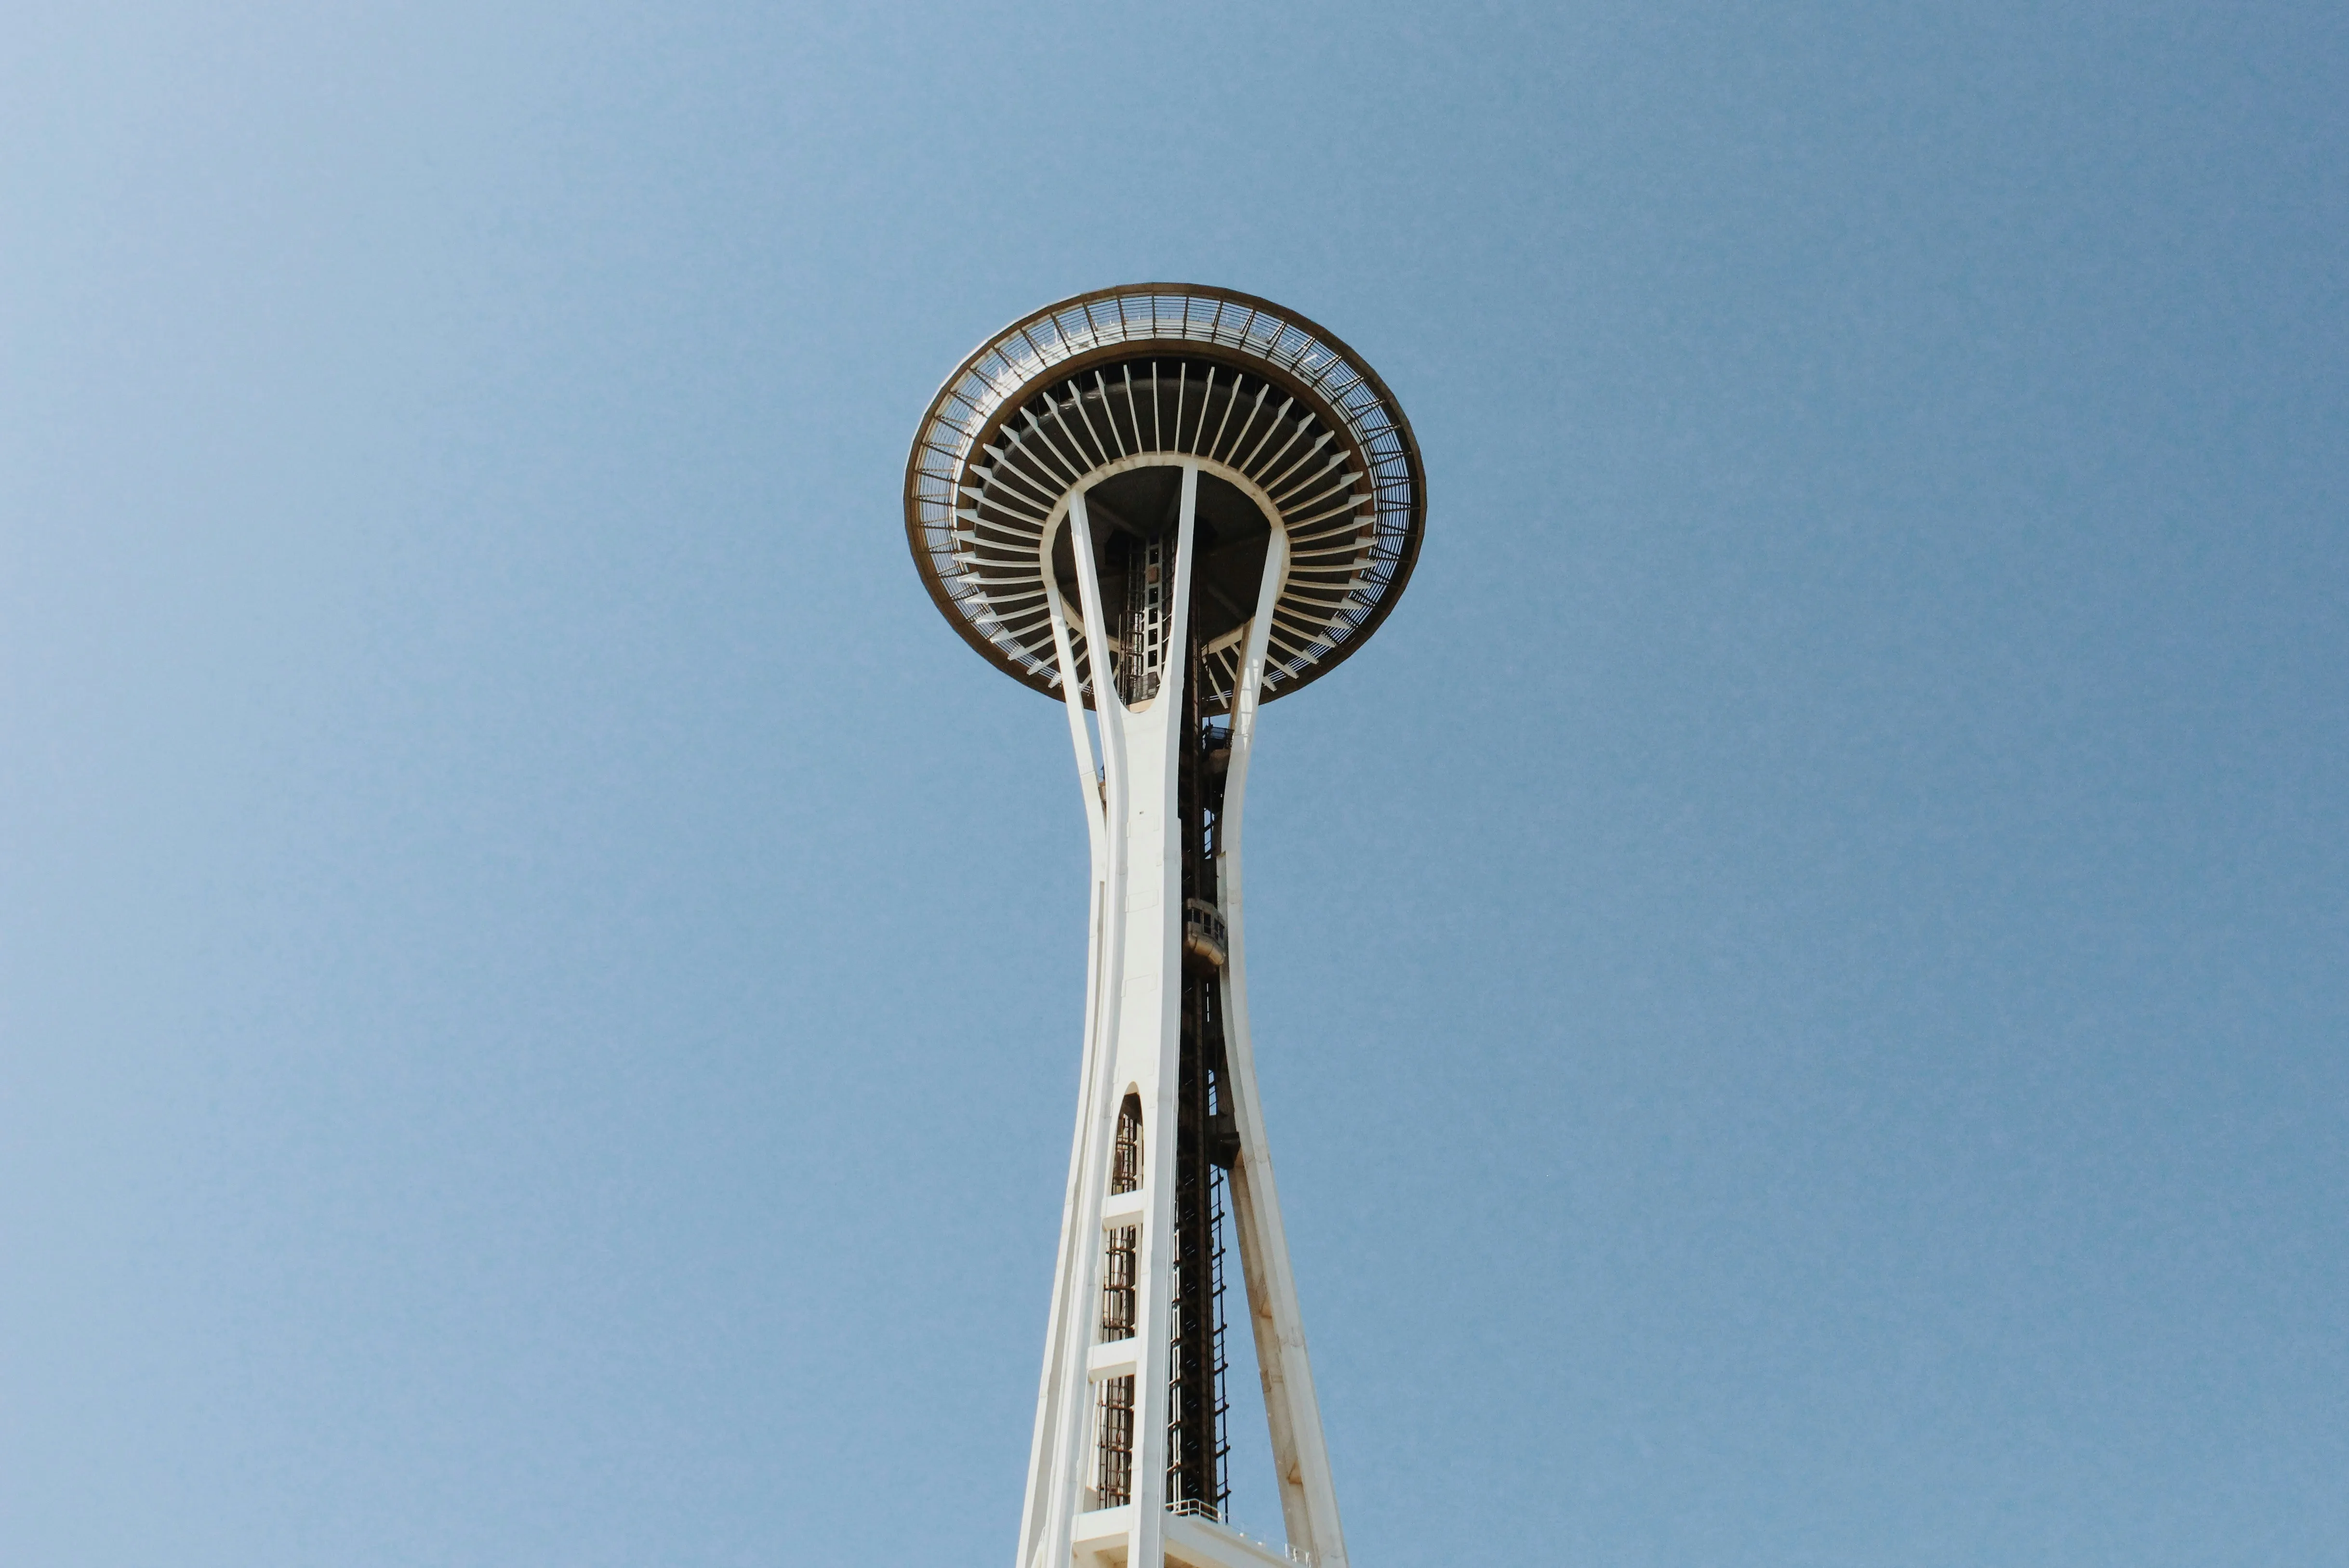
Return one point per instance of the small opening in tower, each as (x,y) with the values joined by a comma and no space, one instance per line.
(1125,1164)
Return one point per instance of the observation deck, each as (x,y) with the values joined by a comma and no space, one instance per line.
(1106,393)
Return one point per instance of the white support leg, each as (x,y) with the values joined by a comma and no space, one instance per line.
(1149,1050)
(1058,1493)
(1044,1455)
(1308,1500)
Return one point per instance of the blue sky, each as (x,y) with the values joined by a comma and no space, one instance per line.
(1800,981)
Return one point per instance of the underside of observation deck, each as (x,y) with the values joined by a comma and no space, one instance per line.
(1285,422)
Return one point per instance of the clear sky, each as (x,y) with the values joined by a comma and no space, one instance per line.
(1802,981)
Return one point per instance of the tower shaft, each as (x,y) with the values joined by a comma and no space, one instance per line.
(1128,1461)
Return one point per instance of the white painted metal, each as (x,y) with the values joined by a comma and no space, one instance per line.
(1301,1459)
(1132,1044)
(1055,1483)
(1045,1446)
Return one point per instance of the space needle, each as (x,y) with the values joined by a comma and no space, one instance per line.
(1167,504)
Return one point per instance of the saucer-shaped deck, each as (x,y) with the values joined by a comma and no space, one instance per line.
(1108,393)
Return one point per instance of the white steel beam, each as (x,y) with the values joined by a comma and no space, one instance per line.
(1308,1500)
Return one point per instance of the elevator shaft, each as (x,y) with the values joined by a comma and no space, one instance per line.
(1206,1140)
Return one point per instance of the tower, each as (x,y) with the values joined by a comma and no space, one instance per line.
(1169,505)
